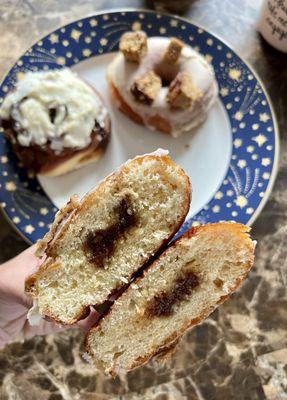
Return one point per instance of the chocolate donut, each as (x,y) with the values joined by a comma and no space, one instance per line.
(55,122)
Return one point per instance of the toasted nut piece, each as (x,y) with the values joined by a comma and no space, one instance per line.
(146,88)
(181,92)
(133,45)
(172,53)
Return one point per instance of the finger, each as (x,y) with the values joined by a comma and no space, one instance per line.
(90,321)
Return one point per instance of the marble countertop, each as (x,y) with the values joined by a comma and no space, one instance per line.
(240,352)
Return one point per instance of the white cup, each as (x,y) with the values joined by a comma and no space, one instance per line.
(273,23)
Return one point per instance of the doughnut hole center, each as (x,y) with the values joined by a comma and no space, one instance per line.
(167,72)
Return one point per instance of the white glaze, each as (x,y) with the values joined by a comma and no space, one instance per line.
(62,90)
(123,74)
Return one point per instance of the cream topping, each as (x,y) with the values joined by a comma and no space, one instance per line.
(123,74)
(54,106)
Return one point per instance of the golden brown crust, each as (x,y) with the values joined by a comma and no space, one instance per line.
(48,245)
(182,93)
(145,89)
(238,229)
(173,51)
(155,121)
(133,45)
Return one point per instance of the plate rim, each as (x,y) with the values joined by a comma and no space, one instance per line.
(275,167)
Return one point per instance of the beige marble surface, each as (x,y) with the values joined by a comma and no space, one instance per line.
(240,352)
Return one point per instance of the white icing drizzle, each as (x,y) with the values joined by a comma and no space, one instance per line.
(76,107)
(123,74)
(33,316)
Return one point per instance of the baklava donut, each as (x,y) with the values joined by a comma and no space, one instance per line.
(55,122)
(162,83)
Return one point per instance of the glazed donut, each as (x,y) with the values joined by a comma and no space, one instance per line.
(55,122)
(161,83)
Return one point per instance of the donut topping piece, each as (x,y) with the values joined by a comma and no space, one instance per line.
(133,45)
(182,93)
(145,89)
(173,51)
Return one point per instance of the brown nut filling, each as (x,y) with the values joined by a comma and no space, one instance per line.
(182,93)
(145,89)
(133,45)
(162,305)
(101,244)
(173,51)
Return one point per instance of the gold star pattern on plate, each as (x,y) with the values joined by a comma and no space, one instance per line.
(75,34)
(237,143)
(136,26)
(250,149)
(44,211)
(218,195)
(234,74)
(195,223)
(216,209)
(162,30)
(241,163)
(173,23)
(16,220)
(61,61)
(65,43)
(266,175)
(264,117)
(103,42)
(10,186)
(265,162)
(87,52)
(93,22)
(255,127)
(54,38)
(208,58)
(238,115)
(209,42)
(41,224)
(260,139)
(224,91)
(4,159)
(29,229)
(241,201)
(249,210)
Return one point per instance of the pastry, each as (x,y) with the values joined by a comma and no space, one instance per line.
(96,245)
(178,290)
(55,122)
(162,83)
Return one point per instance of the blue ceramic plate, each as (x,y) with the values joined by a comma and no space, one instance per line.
(231,159)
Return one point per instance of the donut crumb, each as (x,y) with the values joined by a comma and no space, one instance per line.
(182,93)
(145,89)
(173,51)
(133,45)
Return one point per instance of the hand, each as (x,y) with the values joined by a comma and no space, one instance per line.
(14,304)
